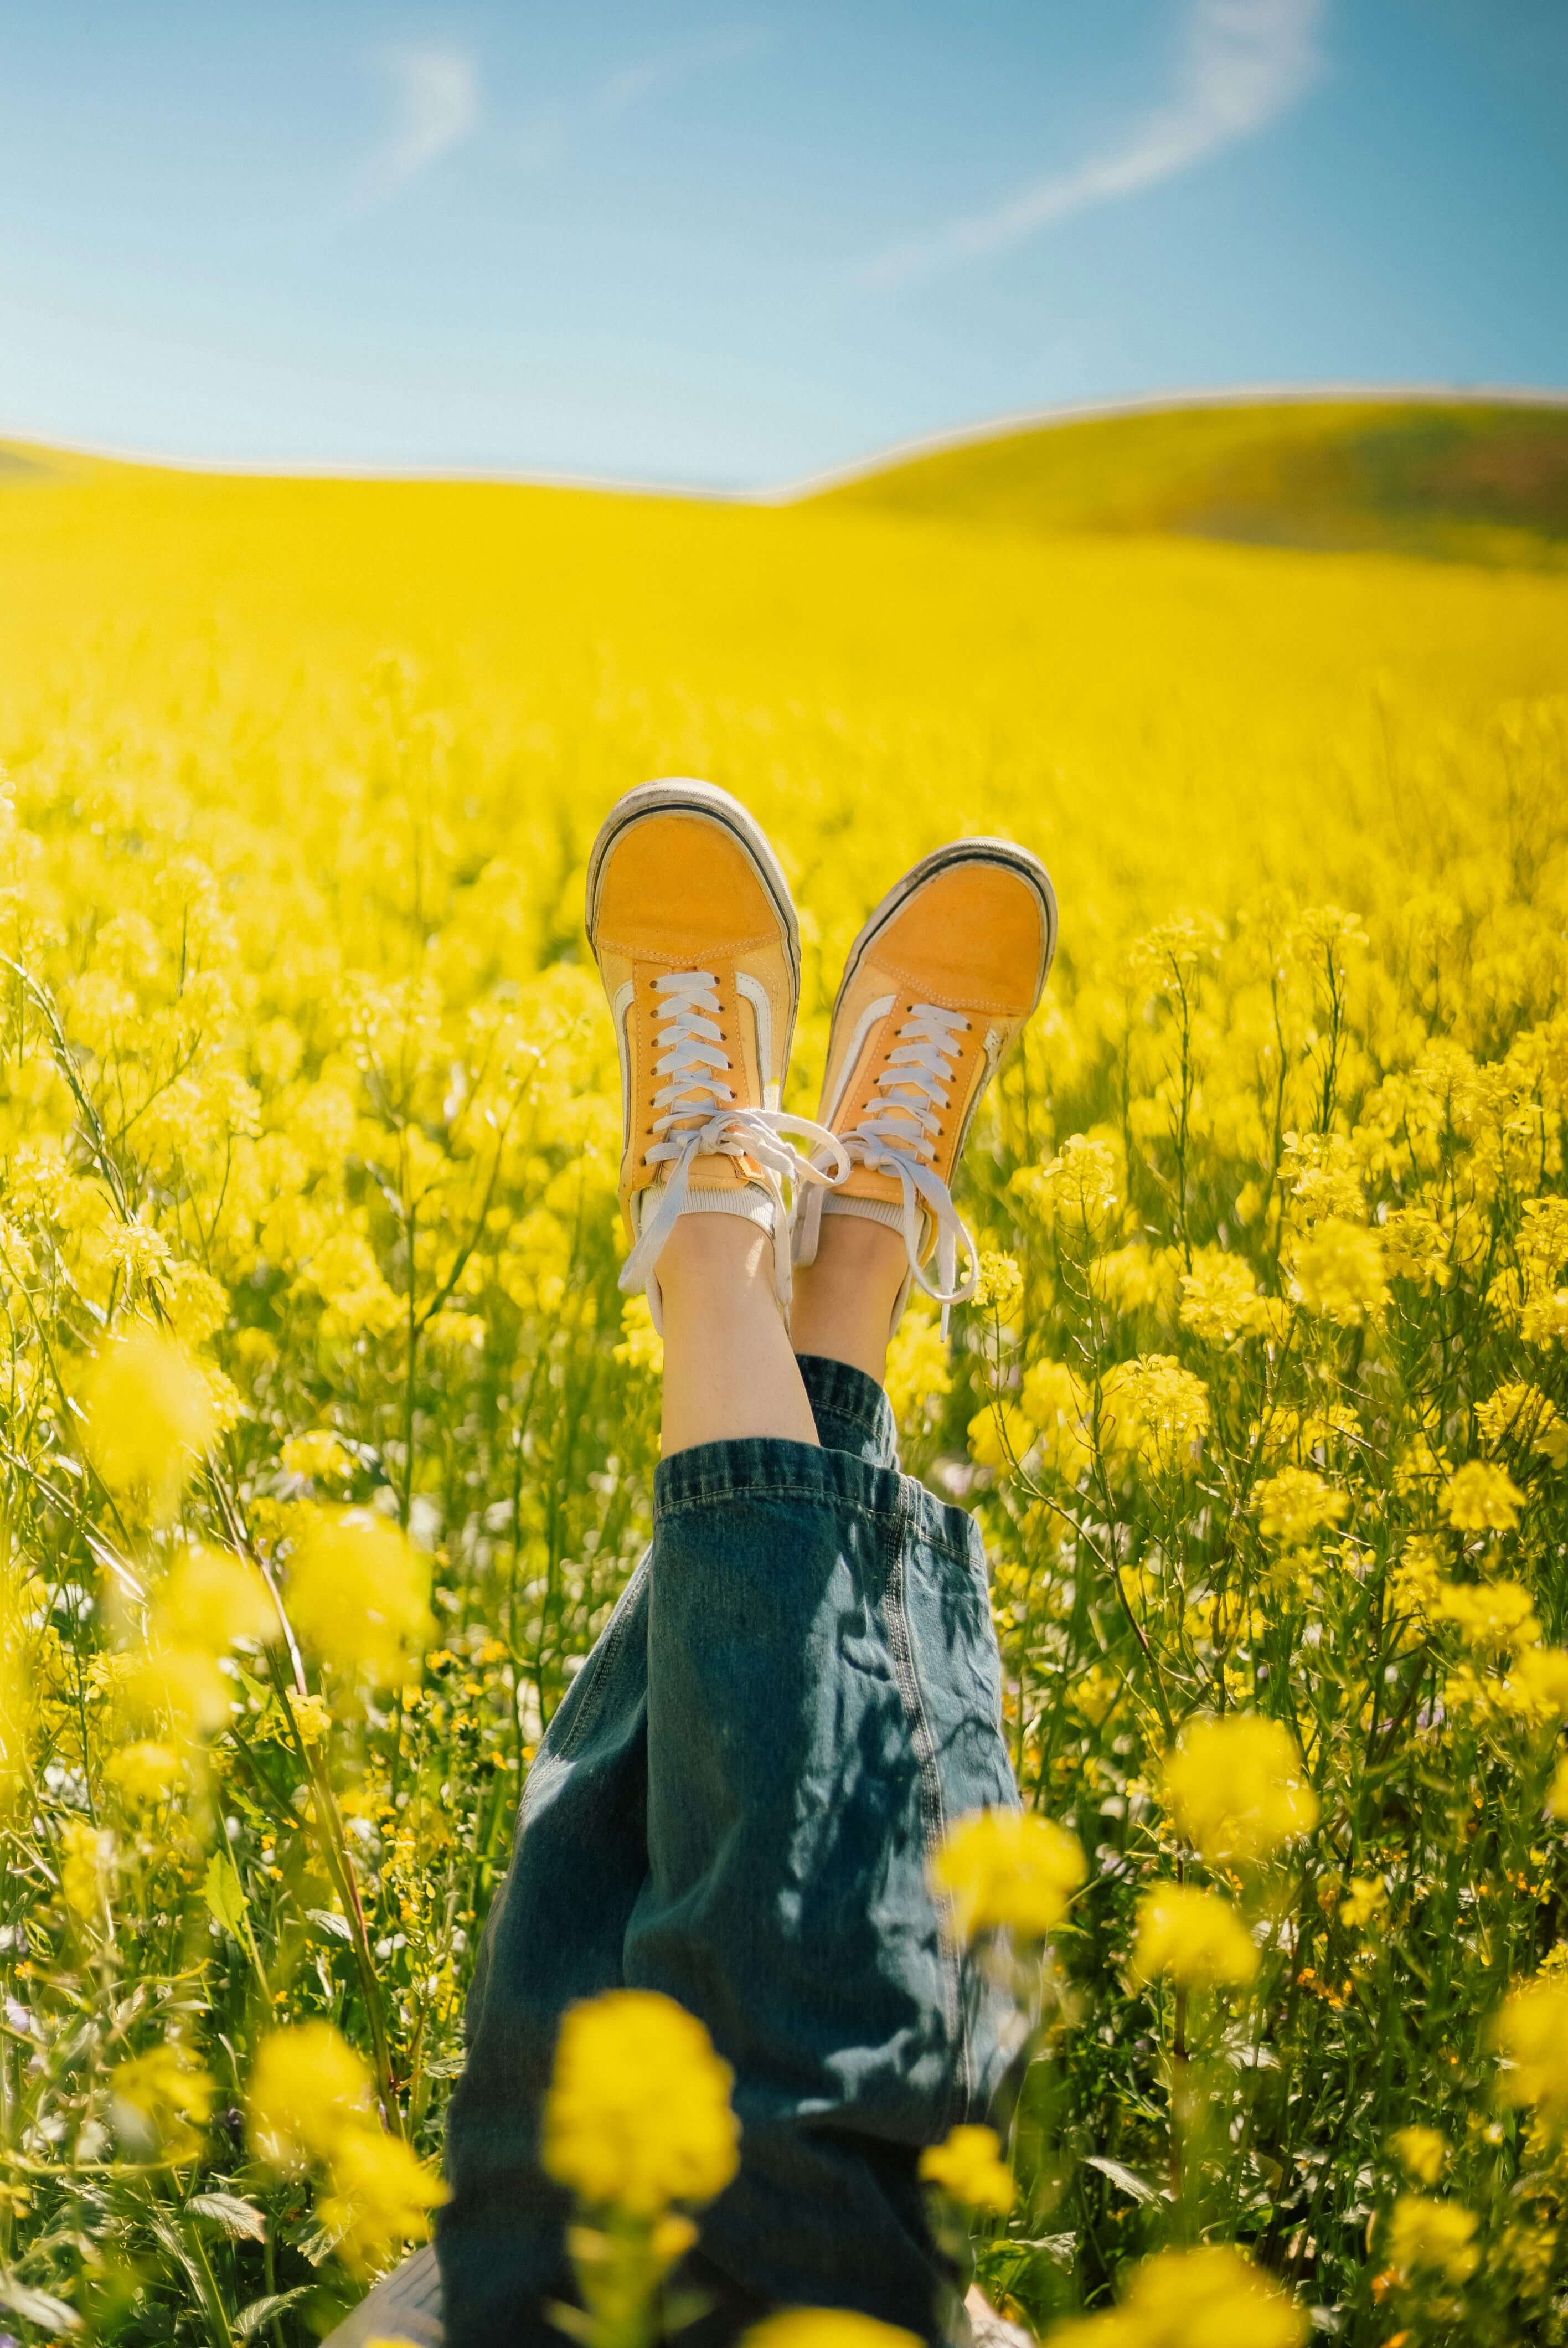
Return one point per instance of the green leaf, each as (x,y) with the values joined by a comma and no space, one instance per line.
(39,2307)
(1127,2179)
(262,2311)
(225,1896)
(325,1920)
(243,2219)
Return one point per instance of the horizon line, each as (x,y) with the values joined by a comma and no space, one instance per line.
(857,468)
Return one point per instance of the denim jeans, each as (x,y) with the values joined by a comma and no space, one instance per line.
(735,1804)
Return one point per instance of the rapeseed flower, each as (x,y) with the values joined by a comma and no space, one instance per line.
(1193,2299)
(968,2165)
(162,2101)
(1437,2238)
(1296,1503)
(1337,1273)
(1421,2152)
(1006,1870)
(1193,1937)
(1531,2034)
(1480,1497)
(151,1415)
(638,2114)
(1235,1789)
(308,2087)
(358,1592)
(825,2327)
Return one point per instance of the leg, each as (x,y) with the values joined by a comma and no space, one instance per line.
(824,1696)
(844,1299)
(728,1368)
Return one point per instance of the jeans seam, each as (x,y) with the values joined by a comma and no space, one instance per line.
(933,1809)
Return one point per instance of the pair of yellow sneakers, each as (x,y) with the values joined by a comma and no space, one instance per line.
(689,918)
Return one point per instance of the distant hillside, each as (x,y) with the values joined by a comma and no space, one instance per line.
(1469,481)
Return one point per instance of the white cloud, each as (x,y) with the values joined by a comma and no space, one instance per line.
(1244,64)
(437,93)
(551,135)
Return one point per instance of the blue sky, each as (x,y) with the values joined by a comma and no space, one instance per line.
(734,241)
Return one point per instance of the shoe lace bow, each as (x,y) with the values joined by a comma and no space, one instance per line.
(696,1115)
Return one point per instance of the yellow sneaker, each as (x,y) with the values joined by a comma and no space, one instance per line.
(938,986)
(690,918)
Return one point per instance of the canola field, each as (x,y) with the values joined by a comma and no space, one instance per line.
(326,1443)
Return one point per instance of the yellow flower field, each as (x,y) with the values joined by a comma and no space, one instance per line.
(327,1445)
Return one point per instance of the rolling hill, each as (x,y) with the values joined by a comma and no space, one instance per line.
(1468,480)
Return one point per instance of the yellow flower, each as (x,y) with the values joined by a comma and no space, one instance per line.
(641,1346)
(1129,1278)
(309,2108)
(150,1417)
(1338,1272)
(1420,2152)
(307,2087)
(1000,1285)
(312,1718)
(1233,1788)
(161,2102)
(1415,1247)
(87,1858)
(379,2197)
(1006,1870)
(1293,1505)
(209,1599)
(1538,1683)
(1480,1497)
(320,1456)
(969,2169)
(182,1687)
(825,2327)
(1433,2238)
(145,1773)
(18,1707)
(1079,1186)
(1155,1410)
(1517,1413)
(999,1436)
(1367,1896)
(1557,1797)
(1219,1296)
(1530,2033)
(1194,1937)
(1487,1614)
(919,1360)
(357,1592)
(1056,1405)
(638,2114)
(1193,2299)
(1417,1577)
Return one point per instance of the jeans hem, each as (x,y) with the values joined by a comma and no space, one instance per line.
(838,1391)
(766,1468)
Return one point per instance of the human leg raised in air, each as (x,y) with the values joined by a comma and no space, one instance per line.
(738,1799)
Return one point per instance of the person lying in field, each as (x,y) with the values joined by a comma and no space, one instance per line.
(799,1689)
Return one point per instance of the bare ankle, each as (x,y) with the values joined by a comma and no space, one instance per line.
(843,1302)
(707,1250)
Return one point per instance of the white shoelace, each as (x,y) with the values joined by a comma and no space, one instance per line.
(897,1135)
(694,1062)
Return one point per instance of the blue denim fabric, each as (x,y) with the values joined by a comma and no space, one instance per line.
(735,1805)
